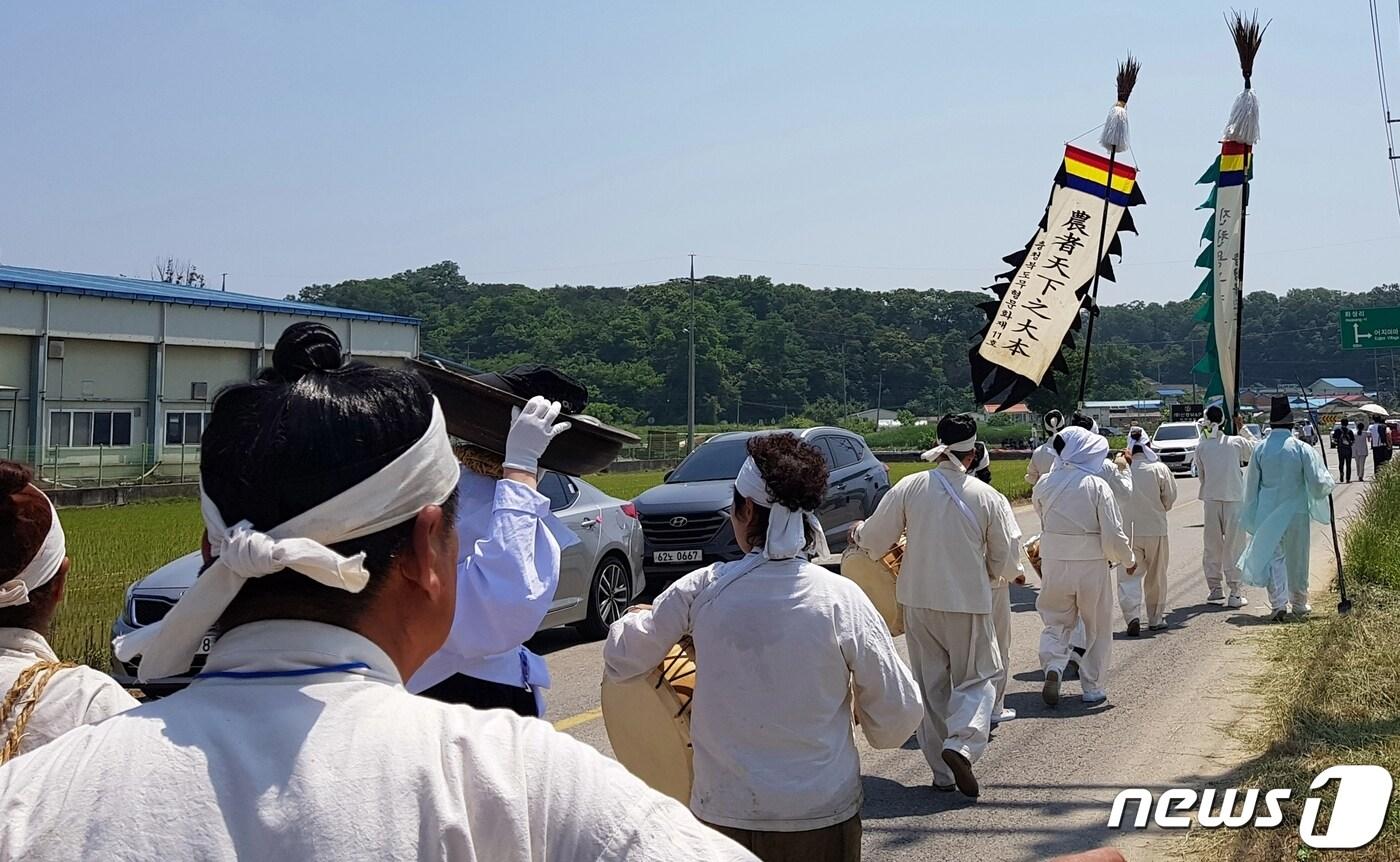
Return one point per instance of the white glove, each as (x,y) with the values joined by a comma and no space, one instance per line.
(531,430)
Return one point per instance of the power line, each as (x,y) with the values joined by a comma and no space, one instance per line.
(1376,42)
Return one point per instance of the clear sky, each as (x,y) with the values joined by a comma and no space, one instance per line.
(881,145)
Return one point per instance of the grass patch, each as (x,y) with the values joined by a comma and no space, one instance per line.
(1331,696)
(111,547)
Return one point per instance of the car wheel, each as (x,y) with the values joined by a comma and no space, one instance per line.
(608,597)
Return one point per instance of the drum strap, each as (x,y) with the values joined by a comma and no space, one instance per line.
(962,507)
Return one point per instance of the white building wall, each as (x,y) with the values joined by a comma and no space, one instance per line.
(142,357)
(15,354)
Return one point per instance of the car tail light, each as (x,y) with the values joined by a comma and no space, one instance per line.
(629,510)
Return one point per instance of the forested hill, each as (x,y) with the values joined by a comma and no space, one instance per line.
(765,350)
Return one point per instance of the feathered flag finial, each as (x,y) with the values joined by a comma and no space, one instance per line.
(1243,127)
(1115,129)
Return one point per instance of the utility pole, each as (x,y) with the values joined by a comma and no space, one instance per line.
(845,400)
(690,403)
(879,398)
(223,281)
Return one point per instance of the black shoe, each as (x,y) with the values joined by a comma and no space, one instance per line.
(962,773)
(1051,691)
(1079,651)
(1160,627)
(1134,627)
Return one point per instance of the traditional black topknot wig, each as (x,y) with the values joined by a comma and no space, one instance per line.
(307,429)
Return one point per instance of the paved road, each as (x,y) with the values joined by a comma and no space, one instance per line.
(1049,777)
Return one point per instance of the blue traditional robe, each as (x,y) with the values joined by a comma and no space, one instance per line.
(1286,485)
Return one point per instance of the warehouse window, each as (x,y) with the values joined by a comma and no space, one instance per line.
(89,427)
(185,428)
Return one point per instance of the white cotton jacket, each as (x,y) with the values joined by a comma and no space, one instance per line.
(783,653)
(1154,494)
(336,765)
(1219,460)
(73,697)
(509,548)
(1083,522)
(1042,461)
(958,545)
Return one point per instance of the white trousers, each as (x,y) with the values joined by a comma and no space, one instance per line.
(1075,592)
(1153,554)
(1001,621)
(1224,542)
(955,658)
(1279,594)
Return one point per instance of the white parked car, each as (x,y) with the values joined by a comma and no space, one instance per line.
(1175,443)
(599,577)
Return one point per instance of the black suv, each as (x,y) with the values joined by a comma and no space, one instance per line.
(686,518)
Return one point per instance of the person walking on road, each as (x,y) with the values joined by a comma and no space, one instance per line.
(1360,449)
(1001,596)
(1154,493)
(1379,438)
(1081,537)
(960,539)
(1219,457)
(1043,458)
(1344,441)
(784,650)
(1287,484)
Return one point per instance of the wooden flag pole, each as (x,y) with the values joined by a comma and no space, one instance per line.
(1094,285)
(1243,128)
(1114,139)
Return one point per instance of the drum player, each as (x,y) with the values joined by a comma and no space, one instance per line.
(961,538)
(784,649)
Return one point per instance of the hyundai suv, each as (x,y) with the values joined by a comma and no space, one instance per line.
(686,518)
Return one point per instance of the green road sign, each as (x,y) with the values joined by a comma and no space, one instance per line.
(1368,328)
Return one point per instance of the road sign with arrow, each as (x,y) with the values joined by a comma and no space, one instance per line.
(1369,328)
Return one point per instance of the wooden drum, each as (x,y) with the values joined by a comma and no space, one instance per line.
(648,723)
(877,579)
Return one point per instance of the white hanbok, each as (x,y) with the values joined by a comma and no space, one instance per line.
(74,696)
(330,758)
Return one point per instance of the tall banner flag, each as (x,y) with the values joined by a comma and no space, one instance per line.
(1223,287)
(1056,275)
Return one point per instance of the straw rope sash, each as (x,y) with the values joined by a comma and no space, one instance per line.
(24,694)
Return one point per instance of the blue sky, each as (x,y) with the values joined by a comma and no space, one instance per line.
(890,145)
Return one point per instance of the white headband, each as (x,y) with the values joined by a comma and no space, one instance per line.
(961,447)
(786,534)
(424,475)
(40,570)
(1148,456)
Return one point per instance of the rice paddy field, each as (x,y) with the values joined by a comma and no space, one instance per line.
(111,547)
(114,546)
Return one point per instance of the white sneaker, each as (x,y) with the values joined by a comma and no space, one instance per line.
(1237,601)
(1006,714)
(1216,595)
(1092,697)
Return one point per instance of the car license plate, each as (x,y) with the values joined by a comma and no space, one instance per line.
(675,557)
(206,643)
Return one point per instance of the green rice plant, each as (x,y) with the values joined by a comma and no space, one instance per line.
(110,548)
